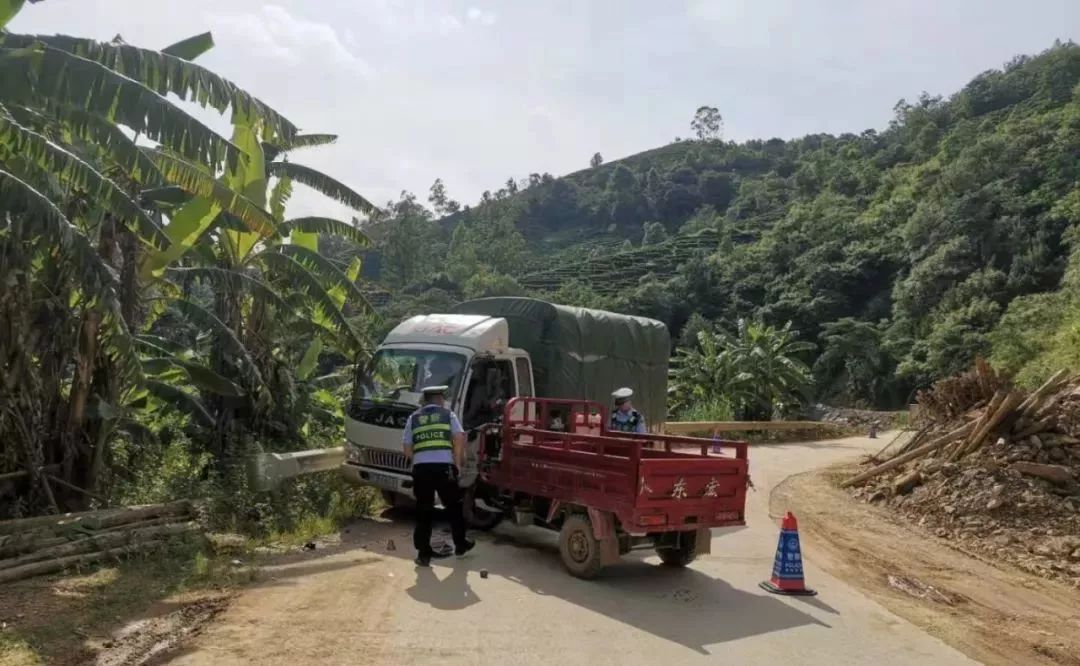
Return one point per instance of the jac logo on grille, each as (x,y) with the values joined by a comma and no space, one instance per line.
(388,419)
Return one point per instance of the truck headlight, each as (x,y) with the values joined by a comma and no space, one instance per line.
(352,453)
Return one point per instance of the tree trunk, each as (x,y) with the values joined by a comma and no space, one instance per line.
(130,301)
(103,381)
(97,542)
(227,309)
(103,519)
(962,431)
(76,448)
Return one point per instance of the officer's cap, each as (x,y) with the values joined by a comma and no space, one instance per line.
(622,395)
(428,391)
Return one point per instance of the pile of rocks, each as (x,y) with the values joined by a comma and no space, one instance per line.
(859,419)
(987,483)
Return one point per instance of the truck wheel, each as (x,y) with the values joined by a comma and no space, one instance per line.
(477,518)
(681,555)
(482,520)
(578,547)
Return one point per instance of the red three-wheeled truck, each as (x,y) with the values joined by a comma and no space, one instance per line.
(609,492)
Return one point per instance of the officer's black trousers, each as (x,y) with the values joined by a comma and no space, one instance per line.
(428,479)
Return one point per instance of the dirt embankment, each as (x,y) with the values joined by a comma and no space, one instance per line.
(994,468)
(997,506)
(988,609)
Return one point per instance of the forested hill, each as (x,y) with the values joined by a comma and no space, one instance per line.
(901,253)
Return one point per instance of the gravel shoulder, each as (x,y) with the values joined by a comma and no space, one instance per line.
(991,611)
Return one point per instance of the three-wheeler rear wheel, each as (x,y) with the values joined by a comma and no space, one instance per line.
(579,548)
(680,554)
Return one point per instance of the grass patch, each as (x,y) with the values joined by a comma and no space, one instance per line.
(57,619)
(14,651)
(714,409)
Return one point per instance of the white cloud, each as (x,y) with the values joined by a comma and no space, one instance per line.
(281,35)
(448,24)
(459,100)
(409,19)
(483,17)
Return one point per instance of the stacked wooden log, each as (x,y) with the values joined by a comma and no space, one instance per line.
(953,396)
(48,544)
(1009,413)
(993,467)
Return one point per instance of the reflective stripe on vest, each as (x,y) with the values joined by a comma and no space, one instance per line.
(629,425)
(431,430)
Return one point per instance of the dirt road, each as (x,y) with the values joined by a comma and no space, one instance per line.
(360,603)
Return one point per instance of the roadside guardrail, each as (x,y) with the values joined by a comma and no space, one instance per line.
(266,471)
(689,427)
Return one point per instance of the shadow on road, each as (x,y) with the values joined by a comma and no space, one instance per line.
(285,573)
(684,606)
(451,593)
(817,603)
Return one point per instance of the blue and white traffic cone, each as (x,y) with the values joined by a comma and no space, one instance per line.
(787,572)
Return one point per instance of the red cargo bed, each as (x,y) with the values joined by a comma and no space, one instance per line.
(651,483)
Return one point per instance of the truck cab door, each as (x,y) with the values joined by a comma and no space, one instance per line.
(523,370)
(524,382)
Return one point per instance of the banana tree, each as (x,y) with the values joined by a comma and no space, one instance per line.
(278,303)
(75,223)
(756,369)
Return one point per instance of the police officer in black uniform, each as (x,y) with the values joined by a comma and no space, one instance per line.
(434,442)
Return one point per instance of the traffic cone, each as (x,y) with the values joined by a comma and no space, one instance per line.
(716,446)
(787,571)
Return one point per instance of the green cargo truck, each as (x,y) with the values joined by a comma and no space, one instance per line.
(488,351)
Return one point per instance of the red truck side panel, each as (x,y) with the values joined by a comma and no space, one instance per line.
(652,483)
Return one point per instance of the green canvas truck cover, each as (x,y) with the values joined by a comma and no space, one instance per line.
(583,353)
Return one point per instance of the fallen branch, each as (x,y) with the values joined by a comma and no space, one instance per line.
(97,542)
(95,519)
(1048,387)
(999,407)
(19,543)
(995,402)
(910,455)
(127,517)
(77,489)
(877,456)
(1036,428)
(11,476)
(150,522)
(61,563)
(1003,412)
(985,373)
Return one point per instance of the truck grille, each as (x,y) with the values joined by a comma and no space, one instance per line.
(382,458)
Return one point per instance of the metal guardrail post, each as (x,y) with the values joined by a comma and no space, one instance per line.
(266,471)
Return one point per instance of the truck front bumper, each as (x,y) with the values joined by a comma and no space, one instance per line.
(394,482)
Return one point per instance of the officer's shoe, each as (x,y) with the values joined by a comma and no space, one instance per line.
(464,550)
(423,560)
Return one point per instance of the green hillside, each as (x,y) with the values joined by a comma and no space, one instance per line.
(897,251)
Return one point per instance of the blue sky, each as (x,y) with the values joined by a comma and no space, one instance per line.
(477,91)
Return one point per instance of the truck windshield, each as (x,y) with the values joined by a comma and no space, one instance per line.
(398,375)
